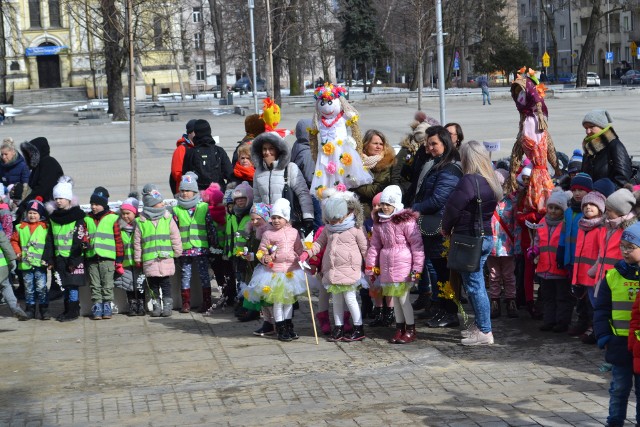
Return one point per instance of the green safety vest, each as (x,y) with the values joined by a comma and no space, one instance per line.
(62,238)
(127,242)
(623,295)
(32,245)
(236,234)
(101,239)
(155,240)
(193,229)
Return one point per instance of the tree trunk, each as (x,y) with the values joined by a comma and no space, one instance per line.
(115,56)
(589,43)
(220,44)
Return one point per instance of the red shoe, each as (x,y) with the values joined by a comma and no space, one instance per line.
(400,331)
(409,336)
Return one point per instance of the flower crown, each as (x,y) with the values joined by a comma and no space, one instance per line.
(329,92)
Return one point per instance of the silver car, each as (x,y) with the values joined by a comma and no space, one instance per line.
(593,79)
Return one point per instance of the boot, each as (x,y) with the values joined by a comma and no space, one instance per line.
(401,328)
(106,310)
(347,323)
(337,334)
(64,313)
(73,313)
(409,336)
(133,307)
(167,306)
(30,310)
(186,300)
(141,308)
(512,309)
(366,310)
(19,314)
(435,309)
(323,320)
(496,310)
(96,311)
(378,320)
(206,300)
(358,333)
(44,312)
(283,332)
(157,308)
(267,328)
(289,324)
(533,311)
(423,302)
(388,316)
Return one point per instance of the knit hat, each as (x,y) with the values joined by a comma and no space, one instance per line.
(376,199)
(189,182)
(263,210)
(151,196)
(191,125)
(632,234)
(575,162)
(36,205)
(64,188)
(582,181)
(100,197)
(392,195)
(502,175)
(202,128)
(212,195)
(243,190)
(604,186)
(596,199)
(600,118)
(131,203)
(558,198)
(334,208)
(621,202)
(282,208)
(228,199)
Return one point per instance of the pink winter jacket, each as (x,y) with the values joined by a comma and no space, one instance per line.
(158,267)
(396,247)
(289,247)
(343,255)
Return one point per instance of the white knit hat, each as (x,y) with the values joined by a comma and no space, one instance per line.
(392,195)
(64,188)
(281,208)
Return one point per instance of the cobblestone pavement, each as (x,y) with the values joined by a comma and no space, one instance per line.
(192,369)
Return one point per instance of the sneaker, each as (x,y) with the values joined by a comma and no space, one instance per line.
(469,331)
(267,328)
(478,338)
(588,337)
(96,311)
(107,312)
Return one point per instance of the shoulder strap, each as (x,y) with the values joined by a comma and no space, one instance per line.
(479,199)
(286,175)
(503,225)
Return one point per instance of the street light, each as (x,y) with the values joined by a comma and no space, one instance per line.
(440,45)
(253,57)
(609,41)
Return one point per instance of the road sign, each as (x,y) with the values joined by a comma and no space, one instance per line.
(638,52)
(388,69)
(633,45)
(609,57)
(456,61)
(546,60)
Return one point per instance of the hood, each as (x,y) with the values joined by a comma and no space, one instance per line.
(386,162)
(302,134)
(405,215)
(33,151)
(628,271)
(184,141)
(284,156)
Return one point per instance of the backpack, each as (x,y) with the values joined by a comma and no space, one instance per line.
(206,163)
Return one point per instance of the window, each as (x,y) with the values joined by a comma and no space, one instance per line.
(54,13)
(14,66)
(157,33)
(523,9)
(575,29)
(625,23)
(534,35)
(524,35)
(34,14)
(593,57)
(627,53)
(197,14)
(197,41)
(563,32)
(200,72)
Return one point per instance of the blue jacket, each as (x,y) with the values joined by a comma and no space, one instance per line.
(15,172)
(565,254)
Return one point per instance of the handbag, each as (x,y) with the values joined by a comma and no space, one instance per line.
(430,225)
(290,195)
(465,251)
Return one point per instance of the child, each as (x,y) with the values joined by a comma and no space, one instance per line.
(156,242)
(129,278)
(104,254)
(281,279)
(616,324)
(34,249)
(69,243)
(346,247)
(396,247)
(556,292)
(194,223)
(585,257)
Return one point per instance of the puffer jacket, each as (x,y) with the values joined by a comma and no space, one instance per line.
(343,256)
(158,267)
(15,172)
(8,253)
(607,157)
(268,182)
(461,211)
(45,171)
(289,247)
(396,247)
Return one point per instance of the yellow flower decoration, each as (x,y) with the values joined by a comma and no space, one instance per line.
(319,190)
(445,251)
(339,143)
(346,159)
(266,290)
(318,173)
(341,171)
(313,131)
(352,120)
(239,252)
(259,254)
(376,271)
(308,245)
(289,274)
(445,291)
(245,294)
(328,148)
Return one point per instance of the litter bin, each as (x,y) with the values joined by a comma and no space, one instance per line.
(229,98)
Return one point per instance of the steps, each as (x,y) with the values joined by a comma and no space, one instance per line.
(49,96)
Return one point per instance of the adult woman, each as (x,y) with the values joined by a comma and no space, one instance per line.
(379,157)
(13,169)
(455,130)
(433,192)
(271,157)
(243,169)
(461,214)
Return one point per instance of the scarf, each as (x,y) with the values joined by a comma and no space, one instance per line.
(241,212)
(370,162)
(613,224)
(218,214)
(553,222)
(594,143)
(153,213)
(189,203)
(346,224)
(575,205)
(244,173)
(586,224)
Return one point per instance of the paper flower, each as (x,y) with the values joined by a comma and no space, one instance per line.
(341,187)
(308,241)
(259,254)
(245,294)
(341,171)
(339,143)
(319,190)
(328,148)
(346,159)
(289,274)
(318,173)
(376,271)
(352,120)
(331,168)
(313,131)
(266,290)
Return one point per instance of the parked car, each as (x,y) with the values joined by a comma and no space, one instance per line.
(567,78)
(631,77)
(244,84)
(593,79)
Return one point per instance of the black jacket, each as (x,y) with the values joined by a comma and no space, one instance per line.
(226,170)
(461,210)
(607,157)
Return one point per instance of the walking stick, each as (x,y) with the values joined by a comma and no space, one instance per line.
(313,318)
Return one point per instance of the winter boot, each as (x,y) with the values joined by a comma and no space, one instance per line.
(409,335)
(186,301)
(133,307)
(323,320)
(423,302)
(157,308)
(64,313)
(337,334)
(30,310)
(106,310)
(388,316)
(401,328)
(533,311)
(96,311)
(44,312)
(378,320)
(167,306)
(73,312)
(283,332)
(141,311)
(496,310)
(347,323)
(358,333)
(512,309)
(289,325)
(206,300)
(19,314)
(267,328)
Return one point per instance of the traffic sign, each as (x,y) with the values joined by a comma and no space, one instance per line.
(546,60)
(638,52)
(609,57)
(388,69)
(633,45)
(456,61)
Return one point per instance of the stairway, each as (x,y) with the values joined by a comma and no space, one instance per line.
(49,96)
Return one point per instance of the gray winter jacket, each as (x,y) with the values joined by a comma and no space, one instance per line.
(301,152)
(269,182)
(8,254)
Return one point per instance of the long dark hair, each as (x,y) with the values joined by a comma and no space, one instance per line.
(450,154)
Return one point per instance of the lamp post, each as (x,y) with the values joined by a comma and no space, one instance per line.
(609,41)
(253,57)
(133,154)
(440,45)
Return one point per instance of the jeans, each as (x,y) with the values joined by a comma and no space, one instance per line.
(485,95)
(429,281)
(622,379)
(476,291)
(35,284)
(186,264)
(7,292)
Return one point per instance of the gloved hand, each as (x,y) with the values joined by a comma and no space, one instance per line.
(304,256)
(119,269)
(13,266)
(592,271)
(307,226)
(532,253)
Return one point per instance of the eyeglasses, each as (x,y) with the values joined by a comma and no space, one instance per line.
(628,248)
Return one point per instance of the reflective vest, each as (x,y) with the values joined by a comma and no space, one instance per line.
(101,239)
(586,256)
(193,229)
(62,238)
(623,295)
(155,241)
(127,243)
(608,251)
(548,248)
(236,235)
(32,245)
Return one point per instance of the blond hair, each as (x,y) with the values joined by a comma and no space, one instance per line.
(9,143)
(475,160)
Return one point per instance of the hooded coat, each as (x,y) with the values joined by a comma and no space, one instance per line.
(301,152)
(45,171)
(206,140)
(607,157)
(15,172)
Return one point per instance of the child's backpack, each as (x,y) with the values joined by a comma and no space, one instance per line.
(206,163)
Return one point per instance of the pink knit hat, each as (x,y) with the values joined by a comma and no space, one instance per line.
(376,199)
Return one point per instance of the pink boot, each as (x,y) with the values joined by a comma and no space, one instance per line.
(323,320)
(347,323)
